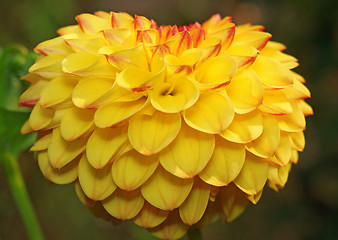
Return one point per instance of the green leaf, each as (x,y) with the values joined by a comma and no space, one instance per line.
(14,63)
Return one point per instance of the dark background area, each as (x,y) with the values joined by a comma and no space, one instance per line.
(308,206)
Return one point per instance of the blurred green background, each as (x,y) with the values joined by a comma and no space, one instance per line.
(306,209)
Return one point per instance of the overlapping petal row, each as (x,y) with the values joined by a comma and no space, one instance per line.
(171,127)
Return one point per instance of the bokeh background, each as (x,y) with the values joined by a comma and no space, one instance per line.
(306,209)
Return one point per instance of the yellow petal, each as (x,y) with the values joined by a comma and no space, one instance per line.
(216,72)
(90,89)
(256,197)
(244,128)
(272,73)
(188,154)
(76,123)
(298,140)
(32,95)
(42,143)
(64,175)
(57,91)
(40,117)
(97,184)
(166,191)
(150,134)
(118,38)
(69,30)
(132,169)
(305,108)
(171,228)
(193,208)
(253,175)
(124,204)
(82,43)
(53,46)
(284,150)
(31,78)
(225,163)
(61,152)
(82,196)
(279,175)
(112,113)
(130,57)
(293,122)
(86,64)
(233,202)
(176,96)
(92,24)
(244,55)
(266,145)
(245,92)
(212,113)
(256,39)
(26,128)
(105,145)
(150,217)
(121,20)
(294,157)
(48,66)
(275,102)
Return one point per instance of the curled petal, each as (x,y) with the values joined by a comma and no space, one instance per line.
(61,152)
(150,134)
(193,208)
(76,123)
(275,102)
(105,145)
(253,175)
(293,122)
(57,91)
(150,216)
(166,191)
(124,204)
(245,91)
(284,150)
(233,202)
(64,175)
(90,89)
(32,95)
(121,20)
(298,140)
(48,66)
(97,184)
(42,143)
(40,117)
(113,113)
(266,145)
(257,39)
(132,169)
(305,108)
(244,54)
(180,42)
(188,154)
(92,24)
(297,91)
(272,73)
(176,96)
(244,128)
(212,113)
(53,46)
(82,43)
(278,176)
(171,228)
(225,163)
(216,71)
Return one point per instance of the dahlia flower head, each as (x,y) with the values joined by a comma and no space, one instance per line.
(170,127)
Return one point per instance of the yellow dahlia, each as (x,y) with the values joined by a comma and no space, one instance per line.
(171,127)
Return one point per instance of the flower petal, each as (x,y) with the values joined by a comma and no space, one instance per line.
(150,217)
(266,145)
(53,46)
(212,113)
(61,152)
(233,201)
(132,169)
(253,175)
(32,95)
(298,141)
(112,113)
(244,128)
(272,73)
(124,204)
(92,24)
(193,208)
(188,154)
(64,175)
(48,66)
(150,134)
(57,91)
(166,191)
(275,102)
(245,91)
(225,163)
(42,143)
(284,150)
(293,122)
(40,117)
(171,228)
(90,89)
(105,145)
(279,175)
(97,184)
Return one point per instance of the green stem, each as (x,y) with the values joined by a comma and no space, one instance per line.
(21,197)
(195,234)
